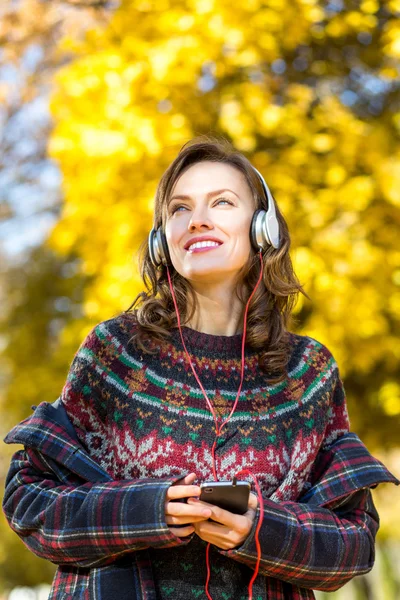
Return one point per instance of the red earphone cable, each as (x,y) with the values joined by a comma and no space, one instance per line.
(218,430)
(258,527)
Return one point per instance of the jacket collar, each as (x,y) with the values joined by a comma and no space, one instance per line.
(342,468)
(50,431)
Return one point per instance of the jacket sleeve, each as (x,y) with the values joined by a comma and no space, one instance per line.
(83,524)
(327,536)
(315,548)
(66,518)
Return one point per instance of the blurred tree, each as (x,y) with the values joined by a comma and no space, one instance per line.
(30,31)
(43,294)
(39,291)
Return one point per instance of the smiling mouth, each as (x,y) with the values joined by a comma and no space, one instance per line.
(203,247)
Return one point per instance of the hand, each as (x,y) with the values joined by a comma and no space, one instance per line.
(231,529)
(178,513)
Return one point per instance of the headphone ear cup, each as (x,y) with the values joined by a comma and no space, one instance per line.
(257,235)
(163,248)
(152,250)
(158,248)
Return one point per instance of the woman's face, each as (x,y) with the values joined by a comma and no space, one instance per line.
(211,202)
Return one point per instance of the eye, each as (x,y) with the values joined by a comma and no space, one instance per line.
(176,207)
(224,200)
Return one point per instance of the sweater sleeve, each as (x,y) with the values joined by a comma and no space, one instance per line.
(86,391)
(338,422)
(61,516)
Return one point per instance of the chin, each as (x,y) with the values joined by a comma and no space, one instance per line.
(208,275)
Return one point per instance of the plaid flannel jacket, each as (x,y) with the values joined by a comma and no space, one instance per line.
(68,510)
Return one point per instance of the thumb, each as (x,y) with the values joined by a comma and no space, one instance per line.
(253,501)
(187,480)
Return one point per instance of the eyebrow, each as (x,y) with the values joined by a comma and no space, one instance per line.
(209,195)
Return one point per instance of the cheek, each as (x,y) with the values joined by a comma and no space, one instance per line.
(240,232)
(174,233)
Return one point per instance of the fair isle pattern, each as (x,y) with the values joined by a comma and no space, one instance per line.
(296,394)
(310,354)
(143,416)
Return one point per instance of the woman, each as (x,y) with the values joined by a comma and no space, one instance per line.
(109,477)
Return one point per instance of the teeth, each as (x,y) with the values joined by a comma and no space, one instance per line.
(203,245)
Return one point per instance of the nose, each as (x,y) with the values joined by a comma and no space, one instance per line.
(200,219)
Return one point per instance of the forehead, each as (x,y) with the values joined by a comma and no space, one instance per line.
(207,176)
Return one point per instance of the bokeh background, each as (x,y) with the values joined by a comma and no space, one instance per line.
(97,98)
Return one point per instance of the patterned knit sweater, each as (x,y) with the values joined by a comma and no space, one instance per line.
(144,416)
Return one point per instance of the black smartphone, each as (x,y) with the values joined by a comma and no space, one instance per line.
(227,495)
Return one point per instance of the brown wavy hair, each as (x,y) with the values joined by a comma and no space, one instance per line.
(271,307)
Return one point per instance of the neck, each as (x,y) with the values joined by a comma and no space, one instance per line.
(219,311)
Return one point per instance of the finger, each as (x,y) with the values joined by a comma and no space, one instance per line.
(209,530)
(210,527)
(182,531)
(218,535)
(185,510)
(182,491)
(225,517)
(187,480)
(171,520)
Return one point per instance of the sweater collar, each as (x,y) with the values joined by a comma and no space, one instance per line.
(222,345)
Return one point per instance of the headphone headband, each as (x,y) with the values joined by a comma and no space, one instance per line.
(270,223)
